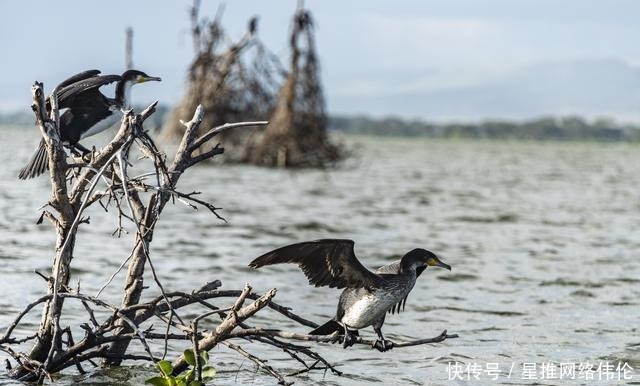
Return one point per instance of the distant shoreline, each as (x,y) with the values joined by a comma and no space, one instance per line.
(570,128)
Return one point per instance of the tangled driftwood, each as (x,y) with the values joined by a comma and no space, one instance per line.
(228,82)
(297,132)
(232,84)
(102,178)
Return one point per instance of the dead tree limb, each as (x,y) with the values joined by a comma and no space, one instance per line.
(297,132)
(149,214)
(100,334)
(259,362)
(141,200)
(232,78)
(209,74)
(235,317)
(335,337)
(68,209)
(128,48)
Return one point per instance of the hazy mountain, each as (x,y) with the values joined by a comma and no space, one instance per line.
(591,88)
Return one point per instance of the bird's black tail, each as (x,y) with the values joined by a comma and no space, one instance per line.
(327,329)
(38,163)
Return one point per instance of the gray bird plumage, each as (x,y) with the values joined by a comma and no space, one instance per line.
(367,296)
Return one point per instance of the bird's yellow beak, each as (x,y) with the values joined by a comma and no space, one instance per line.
(142,79)
(435,262)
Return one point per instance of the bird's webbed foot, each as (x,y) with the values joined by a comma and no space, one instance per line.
(383,345)
(349,339)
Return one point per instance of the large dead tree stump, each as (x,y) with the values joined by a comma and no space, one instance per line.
(297,132)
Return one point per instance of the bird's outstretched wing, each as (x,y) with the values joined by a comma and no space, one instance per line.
(67,95)
(64,89)
(328,262)
(78,77)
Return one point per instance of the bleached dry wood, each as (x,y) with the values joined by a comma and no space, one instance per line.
(335,337)
(140,201)
(148,214)
(233,319)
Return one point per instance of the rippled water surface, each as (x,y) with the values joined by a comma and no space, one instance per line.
(543,239)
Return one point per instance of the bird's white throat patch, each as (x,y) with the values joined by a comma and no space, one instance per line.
(126,104)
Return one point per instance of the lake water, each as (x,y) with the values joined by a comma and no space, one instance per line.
(543,239)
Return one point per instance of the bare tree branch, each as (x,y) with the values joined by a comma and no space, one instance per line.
(141,199)
(232,321)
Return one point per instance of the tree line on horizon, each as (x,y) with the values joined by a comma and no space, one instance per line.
(544,128)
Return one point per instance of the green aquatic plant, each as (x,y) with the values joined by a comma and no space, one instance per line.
(189,378)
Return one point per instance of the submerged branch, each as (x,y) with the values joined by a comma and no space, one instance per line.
(246,333)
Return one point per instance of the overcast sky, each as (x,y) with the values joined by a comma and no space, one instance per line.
(368,48)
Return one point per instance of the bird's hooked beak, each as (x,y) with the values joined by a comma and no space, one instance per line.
(142,79)
(435,262)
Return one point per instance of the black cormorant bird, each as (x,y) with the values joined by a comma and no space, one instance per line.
(85,111)
(367,296)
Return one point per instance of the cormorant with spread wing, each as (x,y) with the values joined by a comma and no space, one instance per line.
(85,111)
(367,296)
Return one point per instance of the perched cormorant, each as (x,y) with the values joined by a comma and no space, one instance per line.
(85,111)
(367,296)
